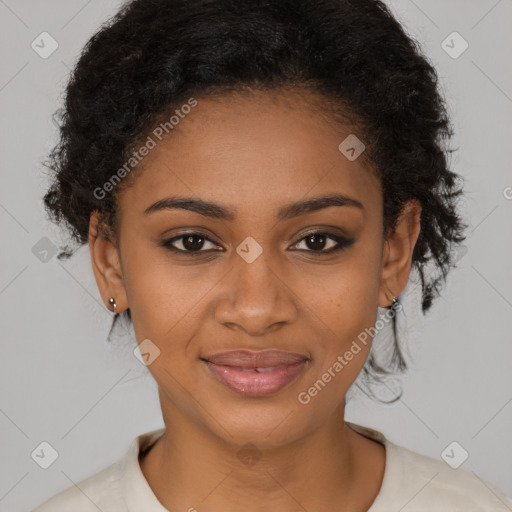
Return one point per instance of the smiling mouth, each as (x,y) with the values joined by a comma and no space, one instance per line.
(255,381)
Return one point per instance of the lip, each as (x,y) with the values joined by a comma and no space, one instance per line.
(256,359)
(238,370)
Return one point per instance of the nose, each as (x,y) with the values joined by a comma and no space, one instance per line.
(256,298)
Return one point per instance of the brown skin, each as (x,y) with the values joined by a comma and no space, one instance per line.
(255,154)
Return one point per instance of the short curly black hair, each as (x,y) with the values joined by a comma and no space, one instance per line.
(153,55)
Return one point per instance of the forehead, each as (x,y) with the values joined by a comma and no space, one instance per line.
(252,151)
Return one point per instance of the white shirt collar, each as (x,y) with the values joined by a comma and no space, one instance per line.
(139,496)
(135,489)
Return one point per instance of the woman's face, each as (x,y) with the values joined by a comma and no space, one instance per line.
(253,277)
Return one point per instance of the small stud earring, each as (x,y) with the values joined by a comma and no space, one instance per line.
(112,302)
(394,304)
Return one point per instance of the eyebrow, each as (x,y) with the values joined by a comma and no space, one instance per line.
(222,212)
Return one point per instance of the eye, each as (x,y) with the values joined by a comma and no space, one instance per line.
(190,243)
(194,243)
(318,241)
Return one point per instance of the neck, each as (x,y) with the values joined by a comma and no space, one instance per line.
(331,466)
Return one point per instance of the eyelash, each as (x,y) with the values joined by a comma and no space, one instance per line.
(342,242)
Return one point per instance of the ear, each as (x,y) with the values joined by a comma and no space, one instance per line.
(397,254)
(106,265)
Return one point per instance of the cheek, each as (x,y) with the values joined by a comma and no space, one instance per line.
(160,305)
(348,319)
(346,304)
(154,293)
(345,296)
(343,345)
(166,301)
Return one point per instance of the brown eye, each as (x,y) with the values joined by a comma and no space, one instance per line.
(189,243)
(324,243)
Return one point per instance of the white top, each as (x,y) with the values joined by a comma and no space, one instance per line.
(412,483)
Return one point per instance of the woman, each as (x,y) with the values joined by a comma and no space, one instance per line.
(254,179)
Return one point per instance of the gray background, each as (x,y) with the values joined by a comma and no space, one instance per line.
(61,382)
